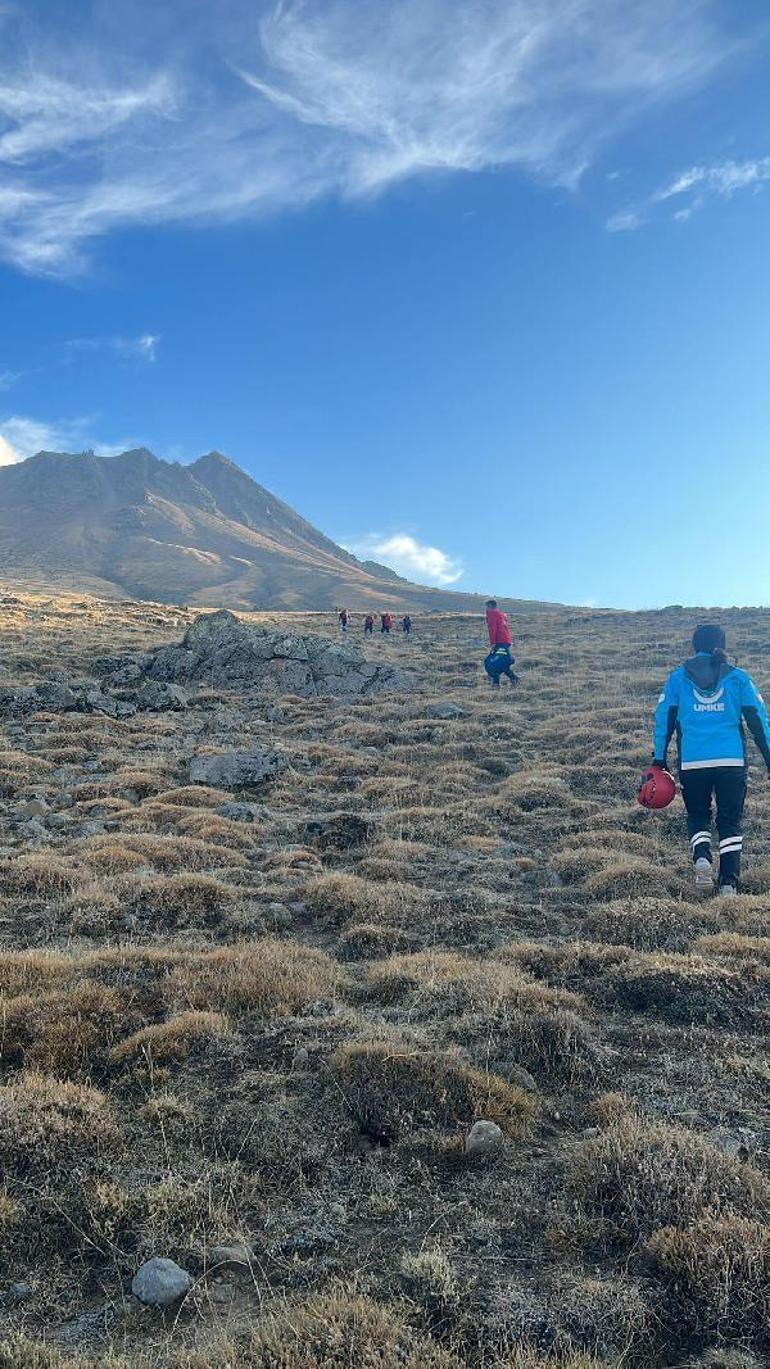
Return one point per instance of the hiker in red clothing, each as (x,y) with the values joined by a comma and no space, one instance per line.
(343,616)
(499,661)
(369,624)
(386,621)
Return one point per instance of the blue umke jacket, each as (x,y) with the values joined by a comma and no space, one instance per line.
(706,702)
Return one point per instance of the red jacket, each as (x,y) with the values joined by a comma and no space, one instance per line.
(387,619)
(498,629)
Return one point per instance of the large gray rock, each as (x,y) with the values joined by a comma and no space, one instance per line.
(218,650)
(156,697)
(445,711)
(484,1138)
(238,769)
(160,1282)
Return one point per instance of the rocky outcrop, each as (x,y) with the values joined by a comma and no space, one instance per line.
(90,697)
(238,769)
(220,651)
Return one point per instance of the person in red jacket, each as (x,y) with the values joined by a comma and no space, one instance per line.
(386,619)
(499,661)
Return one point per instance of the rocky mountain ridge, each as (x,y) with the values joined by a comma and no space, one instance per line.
(135,526)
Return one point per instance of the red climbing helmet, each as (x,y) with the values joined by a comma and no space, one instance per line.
(657,789)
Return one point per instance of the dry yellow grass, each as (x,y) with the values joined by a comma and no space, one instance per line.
(49,1125)
(638,1176)
(165,853)
(271,977)
(279,1025)
(716,1272)
(392,1088)
(171,1040)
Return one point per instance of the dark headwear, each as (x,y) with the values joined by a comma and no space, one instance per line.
(491,603)
(708,637)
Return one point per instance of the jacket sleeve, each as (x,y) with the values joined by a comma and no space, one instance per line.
(666,714)
(755,713)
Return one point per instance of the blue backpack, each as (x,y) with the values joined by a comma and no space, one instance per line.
(498,660)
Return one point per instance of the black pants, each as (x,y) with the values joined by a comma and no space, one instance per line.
(728,785)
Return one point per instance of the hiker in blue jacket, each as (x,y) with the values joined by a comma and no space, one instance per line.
(706,702)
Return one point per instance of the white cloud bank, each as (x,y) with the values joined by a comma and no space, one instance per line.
(191,112)
(408,557)
(21,437)
(8,454)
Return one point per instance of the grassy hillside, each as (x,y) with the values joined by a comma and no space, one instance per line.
(279,1032)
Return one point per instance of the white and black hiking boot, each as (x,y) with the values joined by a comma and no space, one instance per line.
(728,891)
(704,875)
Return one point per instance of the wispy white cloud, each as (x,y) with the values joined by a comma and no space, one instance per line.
(8,378)
(21,437)
(142,348)
(697,184)
(724,179)
(625,221)
(190,112)
(409,557)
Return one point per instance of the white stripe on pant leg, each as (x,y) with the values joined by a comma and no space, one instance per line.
(730,841)
(717,764)
(700,837)
(730,850)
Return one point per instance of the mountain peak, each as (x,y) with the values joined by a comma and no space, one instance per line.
(135,525)
(216,458)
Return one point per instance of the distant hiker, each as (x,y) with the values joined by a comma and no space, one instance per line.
(369,623)
(499,661)
(386,622)
(406,625)
(706,701)
(343,617)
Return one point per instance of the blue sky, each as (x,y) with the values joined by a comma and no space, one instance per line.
(480,288)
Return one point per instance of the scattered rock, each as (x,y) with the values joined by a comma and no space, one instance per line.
(279,915)
(736,1145)
(35,833)
(160,1282)
(445,711)
(221,1257)
(156,697)
(59,822)
(237,769)
(339,831)
(87,697)
(516,1074)
(35,808)
(17,1294)
(484,1138)
(242,812)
